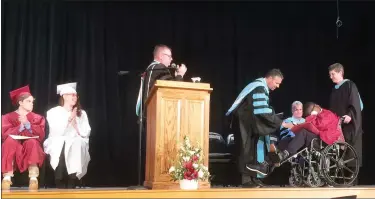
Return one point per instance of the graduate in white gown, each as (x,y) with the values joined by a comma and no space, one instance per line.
(68,139)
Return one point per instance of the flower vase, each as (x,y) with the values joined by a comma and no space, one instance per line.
(189,184)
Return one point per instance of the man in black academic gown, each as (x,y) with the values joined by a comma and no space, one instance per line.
(254,121)
(159,69)
(346,102)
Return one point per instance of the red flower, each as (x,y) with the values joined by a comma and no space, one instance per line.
(192,170)
(195,158)
(188,165)
(195,174)
(187,174)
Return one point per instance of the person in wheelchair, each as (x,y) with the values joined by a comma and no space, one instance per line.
(297,113)
(320,123)
(22,132)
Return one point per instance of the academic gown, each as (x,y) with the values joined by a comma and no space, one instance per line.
(345,100)
(76,150)
(23,152)
(254,121)
(155,71)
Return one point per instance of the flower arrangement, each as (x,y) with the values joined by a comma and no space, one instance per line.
(189,164)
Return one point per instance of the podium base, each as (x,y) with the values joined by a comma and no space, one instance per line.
(172,185)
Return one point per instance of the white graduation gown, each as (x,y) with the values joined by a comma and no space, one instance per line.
(77,155)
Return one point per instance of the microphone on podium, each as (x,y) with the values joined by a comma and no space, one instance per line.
(123,72)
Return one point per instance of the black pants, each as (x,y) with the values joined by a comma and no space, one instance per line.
(301,140)
(64,180)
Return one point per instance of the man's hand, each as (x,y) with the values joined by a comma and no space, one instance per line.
(181,70)
(347,119)
(287,125)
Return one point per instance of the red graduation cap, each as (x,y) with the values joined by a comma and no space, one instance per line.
(15,94)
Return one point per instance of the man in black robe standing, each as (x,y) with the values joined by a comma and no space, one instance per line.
(159,69)
(254,120)
(346,102)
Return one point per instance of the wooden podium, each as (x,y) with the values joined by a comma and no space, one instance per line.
(174,109)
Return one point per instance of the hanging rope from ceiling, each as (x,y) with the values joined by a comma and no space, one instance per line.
(338,21)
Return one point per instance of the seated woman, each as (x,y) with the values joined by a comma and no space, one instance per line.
(22,132)
(320,123)
(297,111)
(280,138)
(68,140)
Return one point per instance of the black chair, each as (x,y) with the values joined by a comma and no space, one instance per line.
(222,164)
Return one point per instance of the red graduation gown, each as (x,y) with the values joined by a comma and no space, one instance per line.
(327,125)
(22,152)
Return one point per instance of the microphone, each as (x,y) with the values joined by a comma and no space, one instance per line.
(173,65)
(123,72)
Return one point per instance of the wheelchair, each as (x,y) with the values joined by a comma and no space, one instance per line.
(321,165)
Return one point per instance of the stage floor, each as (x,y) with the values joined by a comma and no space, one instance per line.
(270,192)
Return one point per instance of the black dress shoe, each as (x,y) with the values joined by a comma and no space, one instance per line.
(258,182)
(72,181)
(60,184)
(250,185)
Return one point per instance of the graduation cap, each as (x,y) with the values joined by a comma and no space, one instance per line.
(16,94)
(69,88)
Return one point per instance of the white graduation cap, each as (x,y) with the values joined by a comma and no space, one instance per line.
(69,88)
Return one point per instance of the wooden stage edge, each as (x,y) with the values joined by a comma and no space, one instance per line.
(360,192)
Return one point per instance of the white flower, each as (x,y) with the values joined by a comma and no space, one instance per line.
(200,174)
(186,158)
(191,152)
(172,169)
(195,165)
(205,168)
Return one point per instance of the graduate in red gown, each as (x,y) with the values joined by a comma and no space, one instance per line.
(22,133)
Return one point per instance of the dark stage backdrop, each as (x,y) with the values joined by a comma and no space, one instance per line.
(45,43)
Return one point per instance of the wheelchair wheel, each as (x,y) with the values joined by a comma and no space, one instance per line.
(313,177)
(295,178)
(340,164)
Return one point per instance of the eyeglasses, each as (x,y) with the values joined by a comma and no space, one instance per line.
(170,56)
